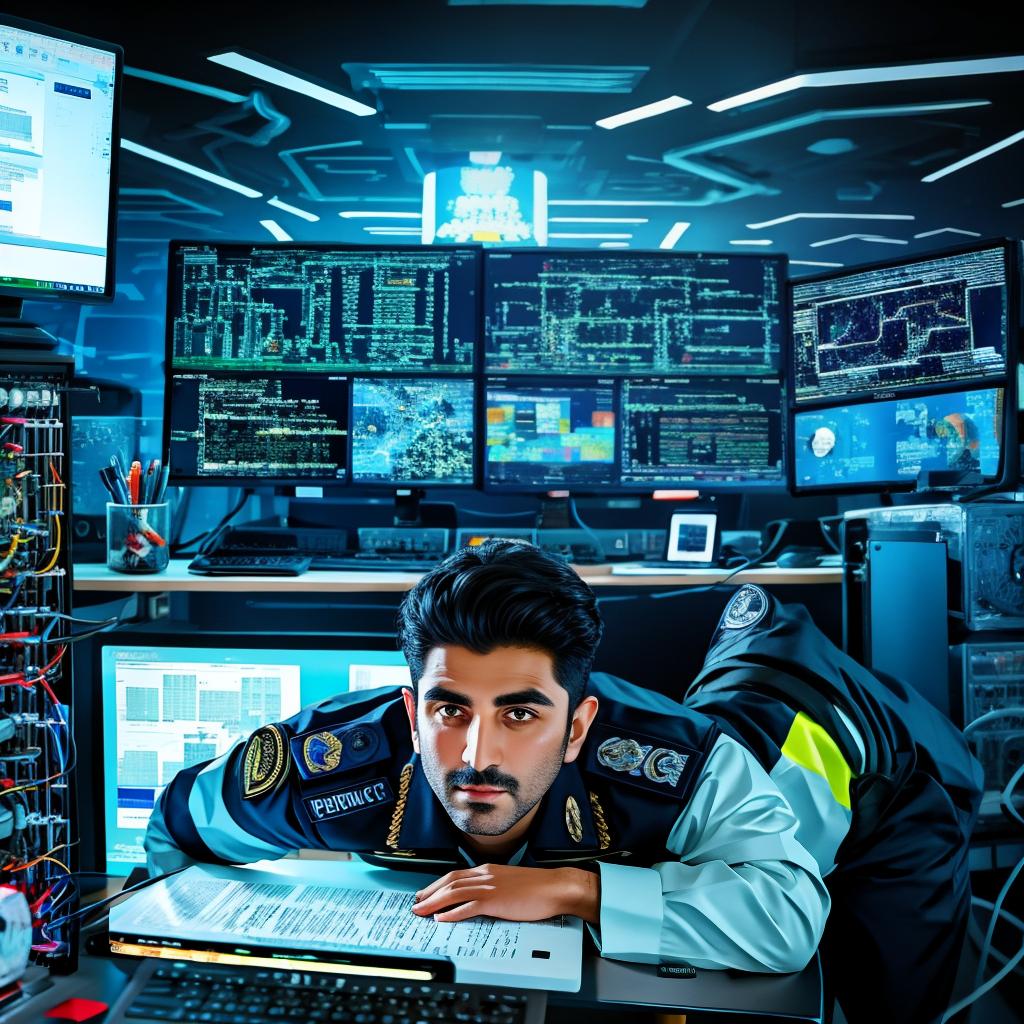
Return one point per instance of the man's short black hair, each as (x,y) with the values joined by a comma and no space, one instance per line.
(504,593)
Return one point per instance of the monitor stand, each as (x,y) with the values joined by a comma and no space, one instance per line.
(22,333)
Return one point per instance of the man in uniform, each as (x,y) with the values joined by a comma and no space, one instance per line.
(884,788)
(531,787)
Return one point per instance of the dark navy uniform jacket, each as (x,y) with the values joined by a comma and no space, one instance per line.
(695,846)
(885,790)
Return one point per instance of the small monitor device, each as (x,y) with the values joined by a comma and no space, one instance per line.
(692,539)
(58,162)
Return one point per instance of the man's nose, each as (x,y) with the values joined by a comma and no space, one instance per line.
(483,745)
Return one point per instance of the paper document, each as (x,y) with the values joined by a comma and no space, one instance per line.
(348,906)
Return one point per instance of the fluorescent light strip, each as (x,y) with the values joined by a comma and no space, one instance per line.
(198,172)
(409,126)
(184,83)
(814,263)
(613,245)
(275,76)
(674,234)
(391,231)
(411,155)
(954,231)
(751,241)
(276,230)
(304,214)
(618,202)
(974,157)
(867,76)
(859,238)
(1013,202)
(641,113)
(379,215)
(575,234)
(829,216)
(597,220)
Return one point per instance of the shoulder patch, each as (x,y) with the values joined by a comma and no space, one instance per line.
(643,761)
(264,761)
(748,606)
(322,752)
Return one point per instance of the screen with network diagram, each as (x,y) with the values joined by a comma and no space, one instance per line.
(166,708)
(643,313)
(330,308)
(922,323)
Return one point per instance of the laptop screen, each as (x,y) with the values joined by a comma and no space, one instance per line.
(168,707)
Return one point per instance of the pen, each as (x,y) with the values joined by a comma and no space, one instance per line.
(162,486)
(134,479)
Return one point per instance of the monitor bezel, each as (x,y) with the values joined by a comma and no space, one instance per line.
(1008,473)
(779,258)
(109,285)
(206,640)
(170,371)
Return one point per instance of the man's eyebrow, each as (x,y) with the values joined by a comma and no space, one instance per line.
(448,696)
(531,696)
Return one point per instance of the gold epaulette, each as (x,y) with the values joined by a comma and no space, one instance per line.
(403,795)
(600,822)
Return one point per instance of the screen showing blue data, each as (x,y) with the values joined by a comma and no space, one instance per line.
(412,430)
(545,437)
(888,443)
(56,141)
(165,708)
(654,313)
(922,323)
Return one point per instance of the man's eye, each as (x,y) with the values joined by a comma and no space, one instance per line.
(449,711)
(520,714)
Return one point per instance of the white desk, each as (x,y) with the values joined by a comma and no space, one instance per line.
(176,578)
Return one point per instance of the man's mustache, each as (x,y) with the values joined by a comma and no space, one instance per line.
(490,776)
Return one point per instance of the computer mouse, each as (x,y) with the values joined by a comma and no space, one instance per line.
(798,558)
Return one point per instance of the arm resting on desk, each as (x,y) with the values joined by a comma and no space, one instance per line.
(744,893)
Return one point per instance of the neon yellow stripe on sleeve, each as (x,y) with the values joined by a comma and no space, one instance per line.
(811,747)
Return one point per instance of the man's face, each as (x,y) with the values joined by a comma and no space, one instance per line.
(491,733)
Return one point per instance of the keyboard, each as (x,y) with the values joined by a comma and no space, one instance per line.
(169,990)
(249,565)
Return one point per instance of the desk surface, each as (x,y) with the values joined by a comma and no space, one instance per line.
(95,576)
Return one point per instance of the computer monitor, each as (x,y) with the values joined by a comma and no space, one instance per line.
(413,431)
(172,702)
(900,368)
(710,433)
(59,139)
(599,312)
(877,446)
(257,427)
(935,322)
(542,436)
(309,308)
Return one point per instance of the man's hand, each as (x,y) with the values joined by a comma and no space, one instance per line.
(511,893)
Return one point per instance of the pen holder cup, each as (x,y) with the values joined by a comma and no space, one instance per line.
(137,537)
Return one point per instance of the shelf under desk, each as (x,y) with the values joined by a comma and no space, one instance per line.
(91,576)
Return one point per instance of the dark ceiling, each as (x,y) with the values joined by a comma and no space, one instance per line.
(857,153)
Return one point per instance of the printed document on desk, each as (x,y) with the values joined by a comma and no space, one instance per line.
(347,906)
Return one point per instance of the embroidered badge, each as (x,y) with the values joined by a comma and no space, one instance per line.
(352,798)
(622,755)
(263,761)
(573,819)
(321,752)
(748,606)
(665,765)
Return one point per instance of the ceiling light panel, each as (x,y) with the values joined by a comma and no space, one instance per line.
(495,77)
(644,112)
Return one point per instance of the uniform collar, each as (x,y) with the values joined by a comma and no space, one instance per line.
(427,826)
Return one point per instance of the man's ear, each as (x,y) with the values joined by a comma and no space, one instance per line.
(409,696)
(582,718)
